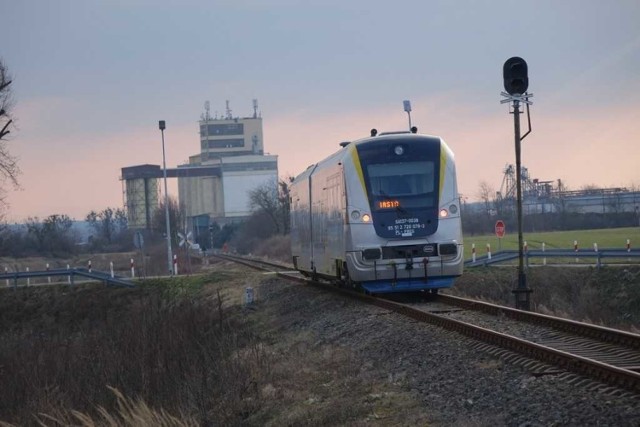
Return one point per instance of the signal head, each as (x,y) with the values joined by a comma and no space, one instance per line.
(515,75)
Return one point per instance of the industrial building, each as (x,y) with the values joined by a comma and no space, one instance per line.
(214,186)
(540,197)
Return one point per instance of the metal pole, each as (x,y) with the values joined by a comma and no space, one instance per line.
(166,203)
(521,292)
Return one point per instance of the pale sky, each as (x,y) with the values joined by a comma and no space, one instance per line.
(92,79)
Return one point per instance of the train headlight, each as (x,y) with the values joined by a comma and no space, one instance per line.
(355,215)
(399,150)
(366,218)
(453,209)
(444,213)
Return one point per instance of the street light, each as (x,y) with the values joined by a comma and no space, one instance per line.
(162,126)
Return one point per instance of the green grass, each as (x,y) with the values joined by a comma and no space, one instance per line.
(605,238)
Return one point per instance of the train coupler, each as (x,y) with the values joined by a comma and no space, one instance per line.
(425,262)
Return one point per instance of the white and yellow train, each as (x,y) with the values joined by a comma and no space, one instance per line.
(382,214)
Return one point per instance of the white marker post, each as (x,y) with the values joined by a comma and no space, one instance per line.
(473,252)
(133,269)
(111,268)
(488,251)
(48,277)
(544,258)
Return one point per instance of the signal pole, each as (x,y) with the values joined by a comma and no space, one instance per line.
(516,82)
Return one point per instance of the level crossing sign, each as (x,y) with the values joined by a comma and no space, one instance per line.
(500,229)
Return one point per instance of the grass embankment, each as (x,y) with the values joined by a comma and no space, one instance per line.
(172,344)
(605,238)
(180,352)
(606,296)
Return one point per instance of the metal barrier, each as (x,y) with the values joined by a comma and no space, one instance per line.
(510,255)
(107,278)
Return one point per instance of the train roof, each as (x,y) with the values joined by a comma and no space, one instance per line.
(384,136)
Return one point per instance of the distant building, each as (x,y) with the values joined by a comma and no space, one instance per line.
(214,186)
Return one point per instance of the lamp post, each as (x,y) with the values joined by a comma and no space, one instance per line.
(162,126)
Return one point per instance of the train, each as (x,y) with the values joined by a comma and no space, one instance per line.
(381,215)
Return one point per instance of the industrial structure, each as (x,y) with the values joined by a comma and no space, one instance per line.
(552,196)
(215,185)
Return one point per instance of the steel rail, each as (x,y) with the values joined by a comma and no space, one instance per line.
(610,335)
(604,372)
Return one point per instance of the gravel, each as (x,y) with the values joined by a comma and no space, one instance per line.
(457,380)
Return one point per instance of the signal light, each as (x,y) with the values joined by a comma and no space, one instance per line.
(515,75)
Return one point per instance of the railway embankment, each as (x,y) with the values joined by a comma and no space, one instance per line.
(296,356)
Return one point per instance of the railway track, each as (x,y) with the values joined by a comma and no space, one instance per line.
(607,355)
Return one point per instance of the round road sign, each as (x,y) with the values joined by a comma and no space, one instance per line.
(500,229)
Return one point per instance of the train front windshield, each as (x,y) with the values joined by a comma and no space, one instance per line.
(407,184)
(402,182)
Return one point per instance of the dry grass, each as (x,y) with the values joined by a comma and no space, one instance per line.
(277,248)
(180,352)
(609,296)
(170,344)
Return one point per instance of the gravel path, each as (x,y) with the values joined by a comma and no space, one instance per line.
(455,382)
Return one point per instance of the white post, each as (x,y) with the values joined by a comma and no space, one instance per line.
(69,276)
(248,295)
(89,266)
(133,270)
(175,265)
(595,247)
(48,277)
(6,271)
(473,252)
(575,248)
(111,268)
(628,245)
(28,279)
(544,258)
(488,251)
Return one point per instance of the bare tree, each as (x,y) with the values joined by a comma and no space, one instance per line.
(8,164)
(176,219)
(108,223)
(486,193)
(273,202)
(53,235)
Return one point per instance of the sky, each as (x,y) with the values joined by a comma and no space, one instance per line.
(92,78)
